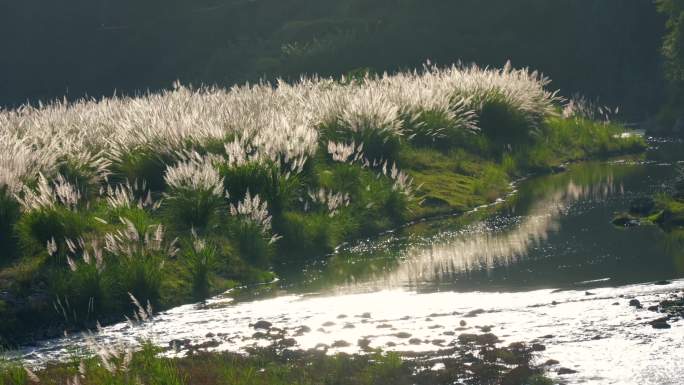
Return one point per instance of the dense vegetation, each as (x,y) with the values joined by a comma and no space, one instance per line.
(673,49)
(170,197)
(601,48)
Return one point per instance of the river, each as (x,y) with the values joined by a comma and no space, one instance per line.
(545,266)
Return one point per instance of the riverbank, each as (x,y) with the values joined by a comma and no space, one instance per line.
(473,359)
(131,200)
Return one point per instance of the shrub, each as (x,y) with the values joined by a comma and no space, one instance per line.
(263,179)
(196,193)
(82,294)
(142,165)
(137,261)
(35,228)
(308,234)
(504,123)
(250,229)
(85,172)
(253,245)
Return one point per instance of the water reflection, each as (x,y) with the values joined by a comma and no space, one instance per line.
(484,247)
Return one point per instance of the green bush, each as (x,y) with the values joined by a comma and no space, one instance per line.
(308,234)
(142,166)
(253,244)
(378,144)
(434,128)
(261,179)
(200,259)
(35,228)
(504,124)
(197,209)
(83,294)
(141,275)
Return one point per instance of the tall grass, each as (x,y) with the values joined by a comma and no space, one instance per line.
(255,170)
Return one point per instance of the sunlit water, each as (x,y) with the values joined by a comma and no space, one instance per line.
(548,267)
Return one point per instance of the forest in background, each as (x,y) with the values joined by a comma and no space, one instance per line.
(607,49)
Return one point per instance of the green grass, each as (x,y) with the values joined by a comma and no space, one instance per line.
(486,364)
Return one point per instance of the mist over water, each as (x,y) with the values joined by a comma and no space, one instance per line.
(548,267)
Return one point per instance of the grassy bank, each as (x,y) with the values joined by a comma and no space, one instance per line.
(665,210)
(168,198)
(474,359)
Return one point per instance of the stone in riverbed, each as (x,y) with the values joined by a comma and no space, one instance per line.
(415,341)
(301,330)
(262,325)
(551,362)
(660,323)
(364,343)
(402,335)
(635,302)
(538,347)
(179,343)
(563,371)
(474,313)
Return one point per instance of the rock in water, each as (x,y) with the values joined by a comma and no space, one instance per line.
(262,325)
(660,323)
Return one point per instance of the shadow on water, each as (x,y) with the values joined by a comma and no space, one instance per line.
(555,232)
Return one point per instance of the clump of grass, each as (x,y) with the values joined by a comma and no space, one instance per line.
(196,193)
(200,259)
(250,229)
(140,259)
(502,122)
(84,290)
(141,165)
(263,179)
(50,212)
(365,116)
(310,234)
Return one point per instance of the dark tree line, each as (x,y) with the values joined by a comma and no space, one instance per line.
(673,51)
(602,48)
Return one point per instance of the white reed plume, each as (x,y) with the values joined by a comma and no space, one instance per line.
(197,173)
(345,152)
(254,210)
(91,253)
(129,195)
(130,242)
(47,195)
(331,200)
